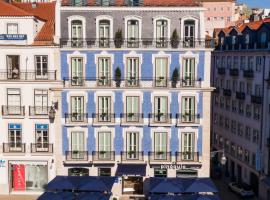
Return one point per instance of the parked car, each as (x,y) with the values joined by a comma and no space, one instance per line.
(242,189)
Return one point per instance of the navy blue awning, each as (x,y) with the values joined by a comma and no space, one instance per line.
(183,197)
(93,196)
(56,196)
(72,196)
(131,170)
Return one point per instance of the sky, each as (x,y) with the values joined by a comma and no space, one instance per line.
(256,3)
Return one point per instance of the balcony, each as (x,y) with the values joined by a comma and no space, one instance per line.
(132,156)
(234,72)
(13,111)
(221,71)
(77,156)
(248,73)
(132,118)
(135,43)
(227,92)
(160,118)
(103,118)
(159,157)
(187,156)
(13,37)
(76,118)
(240,95)
(39,110)
(43,148)
(13,147)
(16,75)
(256,99)
(187,119)
(103,156)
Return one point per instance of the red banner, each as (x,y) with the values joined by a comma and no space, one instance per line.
(18,177)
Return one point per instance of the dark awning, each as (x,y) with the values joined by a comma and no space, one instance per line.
(183,197)
(72,196)
(56,196)
(131,170)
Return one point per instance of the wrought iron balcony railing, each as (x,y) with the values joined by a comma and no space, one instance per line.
(187,156)
(27,75)
(38,110)
(227,92)
(76,117)
(131,82)
(248,73)
(41,148)
(160,118)
(221,71)
(159,156)
(256,99)
(103,155)
(234,72)
(13,110)
(103,118)
(240,95)
(132,156)
(131,118)
(76,155)
(188,118)
(135,43)
(15,147)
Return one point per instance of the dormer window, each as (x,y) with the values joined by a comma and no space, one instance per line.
(233,39)
(133,2)
(247,39)
(104,2)
(12,28)
(222,40)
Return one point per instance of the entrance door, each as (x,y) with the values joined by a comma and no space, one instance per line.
(132,185)
(77,145)
(189,33)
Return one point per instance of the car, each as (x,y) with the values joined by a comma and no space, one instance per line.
(241,189)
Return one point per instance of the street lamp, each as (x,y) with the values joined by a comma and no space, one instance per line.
(223,159)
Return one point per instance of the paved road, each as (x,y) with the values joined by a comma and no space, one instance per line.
(225,193)
(18,197)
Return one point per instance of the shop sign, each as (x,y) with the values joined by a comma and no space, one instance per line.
(2,163)
(13,37)
(19,177)
(181,166)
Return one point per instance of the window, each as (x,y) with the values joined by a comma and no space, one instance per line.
(13,66)
(259,63)
(41,102)
(215,118)
(132,145)
(104,109)
(76,33)
(227,123)
(240,129)
(41,63)
(104,145)
(104,32)
(104,71)
(12,28)
(77,2)
(263,37)
(78,172)
(161,109)
(188,72)
(221,102)
(132,72)
(228,104)
(246,156)
(42,137)
(77,145)
(233,126)
(250,63)
(233,39)
(249,88)
(228,84)
(243,63)
(160,146)
(242,86)
(234,109)
(253,161)
(76,71)
(14,102)
(161,173)
(188,145)
(133,33)
(104,171)
(15,137)
(133,2)
(221,122)
(161,33)
(255,137)
(241,108)
(257,112)
(228,19)
(188,109)
(229,62)
(186,173)
(248,110)
(161,72)
(104,2)
(189,33)
(248,133)
(132,109)
(239,153)
(258,90)
(247,38)
(77,108)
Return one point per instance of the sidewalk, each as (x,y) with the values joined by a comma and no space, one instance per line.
(18,197)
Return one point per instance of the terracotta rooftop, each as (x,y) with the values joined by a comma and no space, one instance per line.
(43,11)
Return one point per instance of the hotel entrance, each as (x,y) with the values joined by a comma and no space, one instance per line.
(132,185)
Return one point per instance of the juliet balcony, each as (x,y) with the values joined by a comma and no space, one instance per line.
(248,73)
(132,156)
(41,148)
(131,118)
(13,110)
(156,119)
(14,147)
(103,156)
(79,118)
(184,119)
(221,71)
(103,118)
(256,99)
(187,157)
(234,72)
(240,95)
(159,157)
(227,92)
(131,82)
(39,110)
(16,75)
(146,43)
(77,156)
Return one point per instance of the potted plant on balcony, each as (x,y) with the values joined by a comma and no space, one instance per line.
(131,152)
(102,152)
(175,77)
(160,152)
(118,38)
(117,77)
(175,39)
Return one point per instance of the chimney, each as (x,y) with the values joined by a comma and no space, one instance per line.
(34,4)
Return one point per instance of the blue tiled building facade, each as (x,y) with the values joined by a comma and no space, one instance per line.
(136,93)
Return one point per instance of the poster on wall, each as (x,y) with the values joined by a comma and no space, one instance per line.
(18,177)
